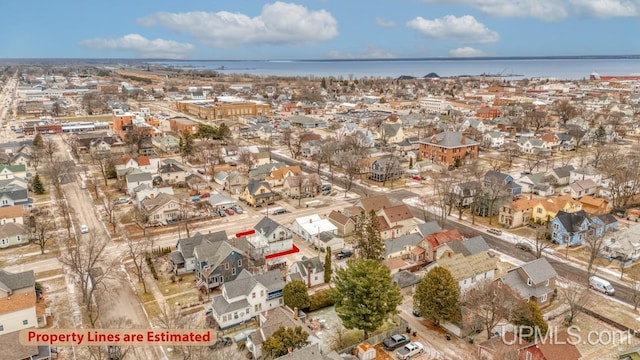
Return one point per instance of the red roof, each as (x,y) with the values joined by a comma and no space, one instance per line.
(443,237)
(144,161)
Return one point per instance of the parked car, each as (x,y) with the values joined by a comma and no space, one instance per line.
(416,177)
(601,285)
(84,229)
(410,350)
(221,212)
(238,209)
(279,211)
(229,211)
(205,195)
(395,341)
(494,231)
(344,254)
(524,246)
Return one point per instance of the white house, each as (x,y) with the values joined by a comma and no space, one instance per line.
(584,173)
(17,301)
(495,139)
(310,271)
(468,270)
(623,244)
(245,297)
(310,227)
(135,180)
(271,237)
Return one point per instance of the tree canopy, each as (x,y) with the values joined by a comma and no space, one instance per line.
(295,295)
(368,242)
(437,296)
(279,343)
(364,295)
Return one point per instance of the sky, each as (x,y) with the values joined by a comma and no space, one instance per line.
(317,29)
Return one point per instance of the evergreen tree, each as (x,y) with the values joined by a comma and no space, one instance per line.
(37,142)
(323,83)
(364,295)
(411,163)
(186,144)
(368,242)
(223,131)
(327,266)
(37,186)
(529,314)
(437,296)
(295,295)
(283,339)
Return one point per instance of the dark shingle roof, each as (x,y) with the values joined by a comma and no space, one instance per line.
(563,171)
(572,221)
(266,226)
(429,228)
(188,244)
(11,282)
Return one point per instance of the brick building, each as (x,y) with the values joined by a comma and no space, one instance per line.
(212,110)
(180,124)
(450,148)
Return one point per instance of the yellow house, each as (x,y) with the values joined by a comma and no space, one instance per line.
(546,209)
(258,193)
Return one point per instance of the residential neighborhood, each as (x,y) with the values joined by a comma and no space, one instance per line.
(456,211)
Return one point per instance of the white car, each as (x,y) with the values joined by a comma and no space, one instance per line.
(410,350)
(84,229)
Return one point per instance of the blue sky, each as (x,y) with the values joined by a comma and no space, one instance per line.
(317,29)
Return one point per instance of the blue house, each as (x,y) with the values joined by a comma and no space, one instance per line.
(575,227)
(511,186)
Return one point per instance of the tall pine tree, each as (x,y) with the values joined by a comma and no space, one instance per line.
(37,186)
(368,242)
(327,265)
(437,296)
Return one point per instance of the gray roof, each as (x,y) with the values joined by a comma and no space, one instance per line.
(572,221)
(261,171)
(607,219)
(15,281)
(314,263)
(188,244)
(213,253)
(266,226)
(587,170)
(170,168)
(539,270)
(563,171)
(12,229)
(176,257)
(399,243)
(391,130)
(429,228)
(519,285)
(254,185)
(310,352)
(475,245)
(143,176)
(405,278)
(14,192)
(272,280)
(449,139)
(221,306)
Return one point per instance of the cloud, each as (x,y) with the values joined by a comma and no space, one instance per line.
(466,52)
(371,52)
(605,8)
(157,48)
(382,22)
(279,23)
(546,10)
(465,29)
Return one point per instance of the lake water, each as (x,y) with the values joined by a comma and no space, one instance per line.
(570,68)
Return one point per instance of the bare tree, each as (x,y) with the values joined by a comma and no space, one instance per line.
(56,171)
(245,158)
(140,219)
(137,251)
(40,228)
(564,109)
(537,119)
(170,317)
(110,210)
(493,191)
(635,292)
(338,337)
(50,148)
(541,241)
(104,162)
(67,213)
(327,153)
(443,187)
(510,154)
(491,302)
(593,243)
(576,296)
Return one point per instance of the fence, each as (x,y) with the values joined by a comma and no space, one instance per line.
(400,328)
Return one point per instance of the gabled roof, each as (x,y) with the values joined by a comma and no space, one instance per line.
(449,139)
(10,229)
(170,168)
(283,170)
(213,253)
(464,267)
(572,221)
(339,217)
(398,213)
(375,203)
(405,278)
(266,226)
(583,185)
(496,176)
(16,281)
(522,204)
(272,280)
(443,237)
(400,243)
(563,171)
(429,228)
(143,176)
(188,244)
(11,212)
(313,263)
(607,219)
(539,270)
(254,185)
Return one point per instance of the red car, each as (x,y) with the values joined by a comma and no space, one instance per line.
(229,211)
(416,177)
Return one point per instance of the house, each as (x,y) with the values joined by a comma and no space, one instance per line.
(571,228)
(547,208)
(272,236)
(15,194)
(385,168)
(467,270)
(137,179)
(535,280)
(271,320)
(401,247)
(232,181)
(12,214)
(182,259)
(277,177)
(581,188)
(528,182)
(166,208)
(330,239)
(13,171)
(623,245)
(390,133)
(594,205)
(406,281)
(261,172)
(508,344)
(543,190)
(568,142)
(258,193)
(144,191)
(551,141)
(585,173)
(530,145)
(167,144)
(560,176)
(13,234)
(449,148)
(435,245)
(494,139)
(302,186)
(311,226)
(22,158)
(399,219)
(462,194)
(221,201)
(310,271)
(217,263)
(344,224)
(172,173)
(18,298)
(516,213)
(247,296)
(494,177)
(428,228)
